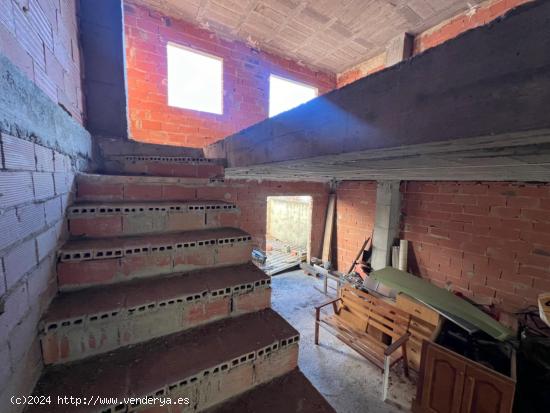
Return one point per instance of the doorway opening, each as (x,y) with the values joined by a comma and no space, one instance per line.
(288,232)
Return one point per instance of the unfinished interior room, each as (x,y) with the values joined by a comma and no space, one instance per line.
(291,206)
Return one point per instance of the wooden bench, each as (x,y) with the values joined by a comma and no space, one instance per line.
(377,330)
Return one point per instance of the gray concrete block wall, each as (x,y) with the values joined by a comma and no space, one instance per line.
(289,220)
(41,149)
(36,184)
(41,39)
(28,113)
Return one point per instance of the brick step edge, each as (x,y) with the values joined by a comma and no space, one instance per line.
(164,166)
(193,160)
(135,218)
(135,207)
(143,245)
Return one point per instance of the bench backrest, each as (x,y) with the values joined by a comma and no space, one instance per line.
(364,310)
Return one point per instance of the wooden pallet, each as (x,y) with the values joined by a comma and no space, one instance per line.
(279,261)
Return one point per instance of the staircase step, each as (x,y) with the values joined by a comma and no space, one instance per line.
(291,393)
(89,262)
(155,165)
(207,364)
(96,320)
(115,188)
(116,146)
(135,218)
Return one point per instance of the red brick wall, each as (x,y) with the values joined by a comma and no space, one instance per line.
(352,75)
(41,38)
(444,31)
(246,81)
(487,239)
(355,207)
(451,28)
(483,239)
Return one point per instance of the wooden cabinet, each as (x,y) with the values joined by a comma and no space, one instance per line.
(442,388)
(487,391)
(450,383)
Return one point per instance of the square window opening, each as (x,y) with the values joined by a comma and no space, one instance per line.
(286,94)
(195,80)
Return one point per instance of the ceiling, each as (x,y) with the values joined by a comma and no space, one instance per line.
(332,35)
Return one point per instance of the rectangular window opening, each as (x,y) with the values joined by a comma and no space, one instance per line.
(286,94)
(195,80)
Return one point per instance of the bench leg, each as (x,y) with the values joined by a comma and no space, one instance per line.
(386,378)
(316,333)
(317,318)
(405,360)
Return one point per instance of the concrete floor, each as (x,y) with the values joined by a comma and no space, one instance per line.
(350,383)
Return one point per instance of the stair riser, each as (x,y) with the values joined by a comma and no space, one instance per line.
(216,388)
(99,333)
(164,169)
(242,379)
(139,189)
(79,274)
(148,223)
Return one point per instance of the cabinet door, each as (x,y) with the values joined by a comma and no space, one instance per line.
(486,391)
(443,380)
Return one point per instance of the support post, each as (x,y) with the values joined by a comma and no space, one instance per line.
(405,359)
(386,222)
(399,48)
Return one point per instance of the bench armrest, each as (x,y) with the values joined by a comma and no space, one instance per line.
(318,307)
(396,344)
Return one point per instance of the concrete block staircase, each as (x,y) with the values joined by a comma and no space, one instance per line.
(158,298)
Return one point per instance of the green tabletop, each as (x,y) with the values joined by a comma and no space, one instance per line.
(441,299)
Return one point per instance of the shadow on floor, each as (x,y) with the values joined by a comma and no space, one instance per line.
(349,382)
